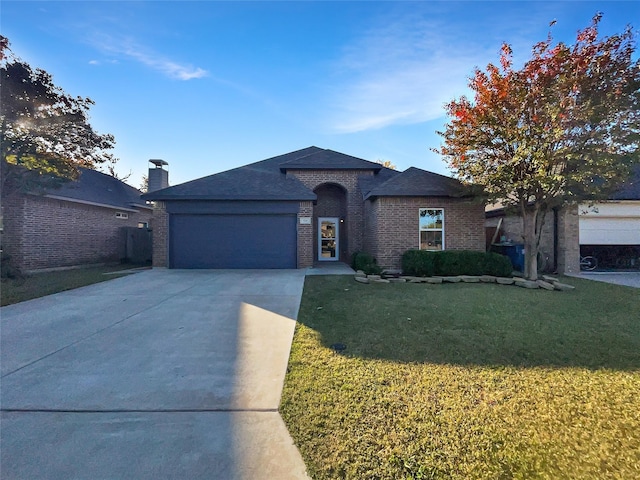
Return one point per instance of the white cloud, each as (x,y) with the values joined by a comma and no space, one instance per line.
(168,67)
(94,62)
(402,73)
(128,48)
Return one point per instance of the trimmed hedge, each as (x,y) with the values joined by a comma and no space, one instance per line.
(422,263)
(366,263)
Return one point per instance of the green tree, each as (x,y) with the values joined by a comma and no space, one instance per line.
(45,133)
(563,129)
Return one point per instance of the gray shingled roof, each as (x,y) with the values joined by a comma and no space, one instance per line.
(99,188)
(415,182)
(244,183)
(369,182)
(267,180)
(264,180)
(324,159)
(630,189)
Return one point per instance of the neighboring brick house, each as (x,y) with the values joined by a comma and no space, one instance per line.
(608,230)
(80,223)
(311,205)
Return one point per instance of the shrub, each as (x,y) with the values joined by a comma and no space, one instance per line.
(366,263)
(419,263)
(455,262)
(498,265)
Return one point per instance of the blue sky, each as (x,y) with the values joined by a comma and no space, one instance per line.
(209,86)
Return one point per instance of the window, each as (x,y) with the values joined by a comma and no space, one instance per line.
(143,225)
(122,215)
(431,229)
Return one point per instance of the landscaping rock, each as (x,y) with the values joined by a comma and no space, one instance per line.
(563,286)
(432,280)
(451,279)
(380,280)
(362,279)
(374,277)
(361,274)
(545,285)
(549,278)
(488,279)
(397,280)
(520,282)
(391,273)
(505,281)
(470,278)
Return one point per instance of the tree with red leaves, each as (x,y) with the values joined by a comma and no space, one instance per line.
(563,129)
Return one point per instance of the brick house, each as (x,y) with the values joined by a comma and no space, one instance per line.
(80,223)
(608,230)
(311,205)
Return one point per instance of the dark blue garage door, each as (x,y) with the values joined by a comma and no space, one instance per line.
(232,241)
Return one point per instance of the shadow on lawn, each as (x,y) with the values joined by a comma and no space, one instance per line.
(487,325)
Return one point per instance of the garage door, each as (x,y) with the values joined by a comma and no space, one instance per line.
(232,241)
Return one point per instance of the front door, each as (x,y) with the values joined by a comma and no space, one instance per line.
(328,236)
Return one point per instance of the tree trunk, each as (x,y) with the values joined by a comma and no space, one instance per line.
(532,222)
(530,244)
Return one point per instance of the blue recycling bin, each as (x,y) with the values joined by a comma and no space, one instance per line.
(515,252)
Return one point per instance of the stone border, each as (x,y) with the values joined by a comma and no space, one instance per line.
(547,282)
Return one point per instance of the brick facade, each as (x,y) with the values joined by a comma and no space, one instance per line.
(353,225)
(568,240)
(305,236)
(393,223)
(385,227)
(160,238)
(41,232)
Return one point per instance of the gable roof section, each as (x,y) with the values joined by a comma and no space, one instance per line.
(251,182)
(97,188)
(415,182)
(324,159)
(369,182)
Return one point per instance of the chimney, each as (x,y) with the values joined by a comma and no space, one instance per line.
(158,177)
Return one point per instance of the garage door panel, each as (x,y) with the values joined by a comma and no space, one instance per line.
(233,241)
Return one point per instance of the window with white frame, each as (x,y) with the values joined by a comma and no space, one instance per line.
(122,215)
(431,228)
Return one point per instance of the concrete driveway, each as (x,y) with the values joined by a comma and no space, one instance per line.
(628,279)
(161,374)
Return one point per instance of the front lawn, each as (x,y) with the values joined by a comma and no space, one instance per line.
(14,290)
(465,381)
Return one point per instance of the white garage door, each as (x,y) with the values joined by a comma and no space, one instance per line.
(610,224)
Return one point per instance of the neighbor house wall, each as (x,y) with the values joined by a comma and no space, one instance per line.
(568,242)
(397,223)
(47,233)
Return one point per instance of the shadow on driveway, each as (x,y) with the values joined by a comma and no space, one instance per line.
(162,374)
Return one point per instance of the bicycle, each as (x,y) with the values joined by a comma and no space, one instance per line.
(588,263)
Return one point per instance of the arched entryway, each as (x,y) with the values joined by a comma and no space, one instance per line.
(330,221)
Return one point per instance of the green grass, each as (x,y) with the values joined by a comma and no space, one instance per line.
(465,381)
(15,290)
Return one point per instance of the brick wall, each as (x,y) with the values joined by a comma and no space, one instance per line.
(353,225)
(568,240)
(394,223)
(12,214)
(46,233)
(305,236)
(160,228)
